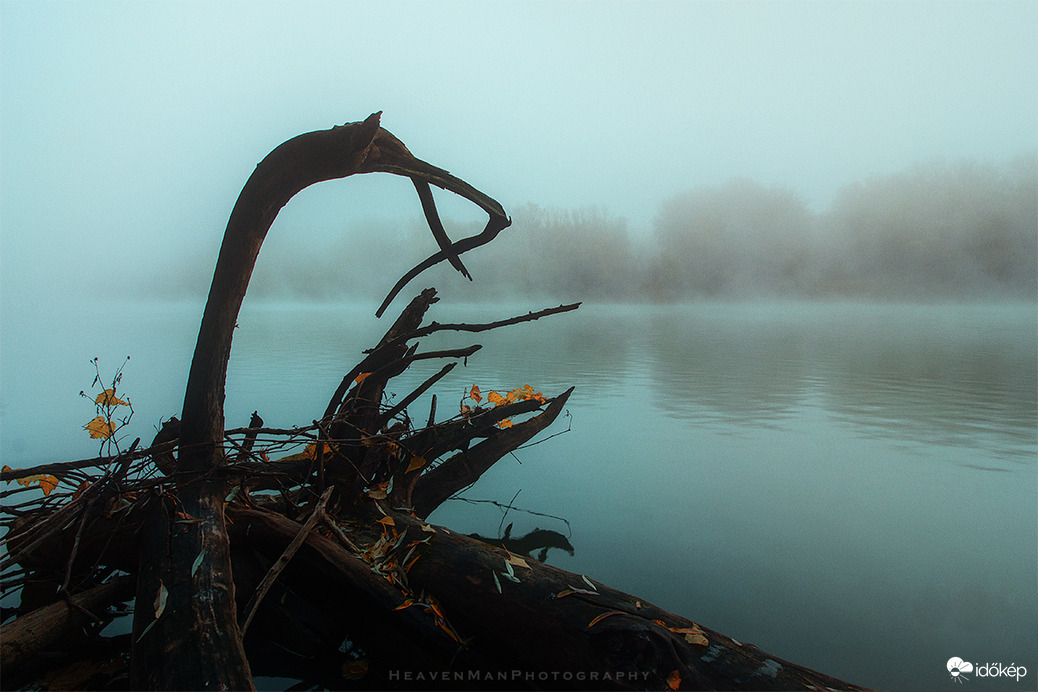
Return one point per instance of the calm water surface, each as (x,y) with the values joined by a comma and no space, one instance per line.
(851,487)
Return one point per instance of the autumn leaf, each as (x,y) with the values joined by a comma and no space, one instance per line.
(79,490)
(198,562)
(674,680)
(160,600)
(361,377)
(504,423)
(48,483)
(517,561)
(696,638)
(475,395)
(108,398)
(354,669)
(436,608)
(406,604)
(428,529)
(495,399)
(601,617)
(387,521)
(417,462)
(379,492)
(100,427)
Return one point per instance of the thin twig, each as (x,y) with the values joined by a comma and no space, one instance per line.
(286,557)
(462,327)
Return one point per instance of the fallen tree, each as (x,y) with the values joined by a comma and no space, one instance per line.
(320,563)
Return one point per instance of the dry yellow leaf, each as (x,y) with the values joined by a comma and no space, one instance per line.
(603,616)
(100,427)
(517,561)
(48,483)
(495,398)
(504,423)
(417,462)
(474,394)
(696,638)
(387,521)
(108,398)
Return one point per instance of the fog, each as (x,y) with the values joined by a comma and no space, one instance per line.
(935,231)
(645,150)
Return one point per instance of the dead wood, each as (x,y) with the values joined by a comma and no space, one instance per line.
(241,565)
(41,629)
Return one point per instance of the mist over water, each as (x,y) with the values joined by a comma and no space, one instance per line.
(806,236)
(937,231)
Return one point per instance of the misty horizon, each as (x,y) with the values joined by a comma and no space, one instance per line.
(938,230)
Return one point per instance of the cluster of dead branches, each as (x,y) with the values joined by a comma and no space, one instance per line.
(241,555)
(362,462)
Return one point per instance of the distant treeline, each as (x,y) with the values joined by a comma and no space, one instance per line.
(936,231)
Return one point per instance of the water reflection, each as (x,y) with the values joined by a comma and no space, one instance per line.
(938,374)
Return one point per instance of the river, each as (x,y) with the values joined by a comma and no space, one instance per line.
(853,487)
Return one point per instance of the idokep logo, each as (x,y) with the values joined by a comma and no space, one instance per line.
(958,668)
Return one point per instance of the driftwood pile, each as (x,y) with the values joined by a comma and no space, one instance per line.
(306,553)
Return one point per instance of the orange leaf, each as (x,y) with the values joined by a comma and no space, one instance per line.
(504,423)
(100,427)
(48,483)
(79,491)
(696,638)
(406,604)
(495,398)
(417,462)
(108,398)
(475,395)
(360,377)
(601,617)
(387,521)
(673,680)
(435,605)
(517,561)
(354,669)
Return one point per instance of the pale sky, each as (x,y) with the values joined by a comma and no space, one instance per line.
(128,128)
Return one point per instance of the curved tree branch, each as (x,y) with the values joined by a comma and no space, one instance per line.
(188,563)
